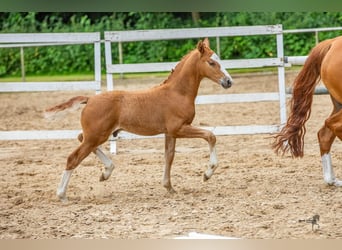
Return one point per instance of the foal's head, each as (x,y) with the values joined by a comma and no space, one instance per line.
(211,67)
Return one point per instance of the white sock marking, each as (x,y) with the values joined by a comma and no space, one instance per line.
(105,160)
(328,173)
(63,185)
(212,164)
(109,166)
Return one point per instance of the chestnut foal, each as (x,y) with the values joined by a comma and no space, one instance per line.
(165,109)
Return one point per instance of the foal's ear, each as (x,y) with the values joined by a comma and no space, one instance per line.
(206,42)
(201,45)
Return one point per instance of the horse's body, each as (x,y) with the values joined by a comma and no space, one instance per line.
(165,109)
(324,62)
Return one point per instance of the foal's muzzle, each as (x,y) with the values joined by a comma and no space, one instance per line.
(226,83)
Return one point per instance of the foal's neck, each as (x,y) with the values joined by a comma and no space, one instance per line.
(185,78)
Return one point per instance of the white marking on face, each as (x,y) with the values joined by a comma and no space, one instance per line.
(217,59)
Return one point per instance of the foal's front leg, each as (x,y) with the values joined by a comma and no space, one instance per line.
(213,163)
(189,131)
(170,144)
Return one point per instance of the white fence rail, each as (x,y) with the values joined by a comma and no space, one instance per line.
(53,39)
(50,39)
(316,31)
(147,35)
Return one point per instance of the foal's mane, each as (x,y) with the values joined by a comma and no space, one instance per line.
(179,66)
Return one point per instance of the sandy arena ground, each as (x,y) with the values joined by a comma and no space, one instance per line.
(254,194)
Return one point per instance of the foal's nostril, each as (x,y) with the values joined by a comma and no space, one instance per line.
(229,83)
(226,83)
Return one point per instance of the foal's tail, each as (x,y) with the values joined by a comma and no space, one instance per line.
(73,103)
(291,136)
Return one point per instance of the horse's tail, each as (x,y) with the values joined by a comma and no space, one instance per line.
(291,136)
(73,103)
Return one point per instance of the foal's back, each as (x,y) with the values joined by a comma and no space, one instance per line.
(145,112)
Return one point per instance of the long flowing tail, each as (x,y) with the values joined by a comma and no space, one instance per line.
(73,103)
(291,136)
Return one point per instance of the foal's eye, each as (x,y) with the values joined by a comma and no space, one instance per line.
(211,63)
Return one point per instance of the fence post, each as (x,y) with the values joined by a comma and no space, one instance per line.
(108,59)
(97,64)
(120,57)
(281,79)
(316,37)
(22,62)
(218,46)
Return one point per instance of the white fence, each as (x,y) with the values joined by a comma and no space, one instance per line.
(147,35)
(316,31)
(50,39)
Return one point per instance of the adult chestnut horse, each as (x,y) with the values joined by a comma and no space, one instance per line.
(165,109)
(324,62)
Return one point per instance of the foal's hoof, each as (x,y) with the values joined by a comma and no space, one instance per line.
(102,178)
(207,174)
(62,198)
(337,183)
(205,177)
(170,190)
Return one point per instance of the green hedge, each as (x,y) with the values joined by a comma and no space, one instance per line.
(79,59)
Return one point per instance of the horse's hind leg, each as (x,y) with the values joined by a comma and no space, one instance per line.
(326,136)
(325,139)
(109,166)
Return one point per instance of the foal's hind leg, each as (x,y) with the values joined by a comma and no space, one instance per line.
(73,161)
(109,166)
(75,158)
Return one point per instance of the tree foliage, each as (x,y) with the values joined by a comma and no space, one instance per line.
(75,58)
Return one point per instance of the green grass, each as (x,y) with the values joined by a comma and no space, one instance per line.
(48,78)
(89,76)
